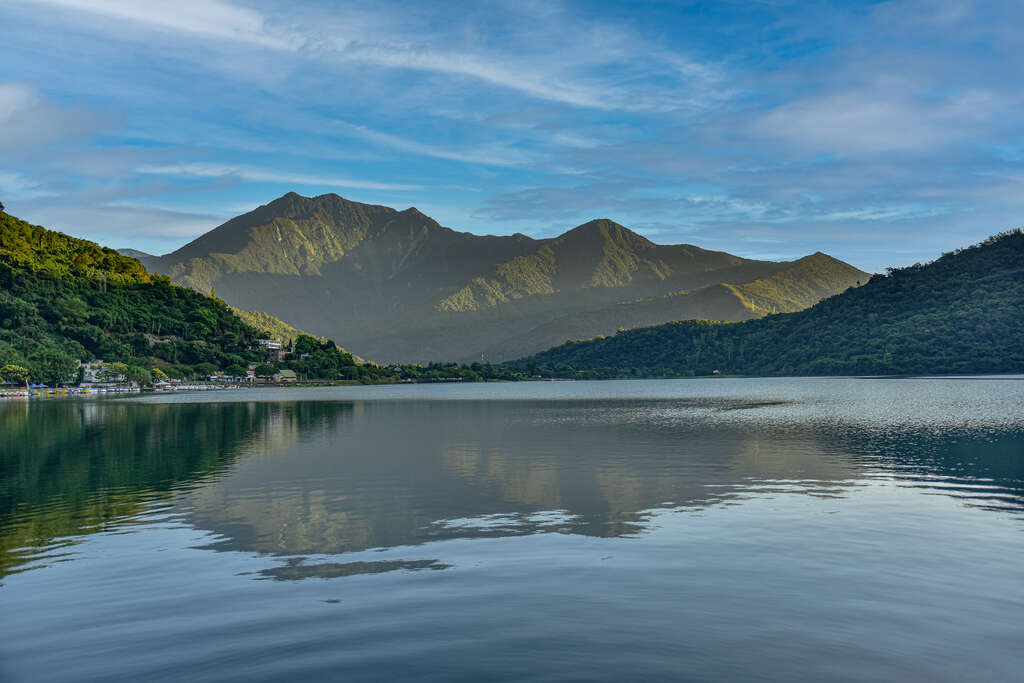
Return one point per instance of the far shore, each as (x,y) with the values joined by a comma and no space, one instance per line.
(11,392)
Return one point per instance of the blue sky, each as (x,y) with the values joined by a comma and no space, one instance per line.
(880,132)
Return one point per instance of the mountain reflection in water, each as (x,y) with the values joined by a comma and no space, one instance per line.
(331,477)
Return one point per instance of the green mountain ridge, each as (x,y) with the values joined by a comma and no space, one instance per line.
(963,313)
(399,287)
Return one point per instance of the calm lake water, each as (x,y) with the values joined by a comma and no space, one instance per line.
(792,529)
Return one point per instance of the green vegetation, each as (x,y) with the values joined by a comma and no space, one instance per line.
(963,313)
(312,359)
(275,329)
(14,373)
(265,370)
(64,300)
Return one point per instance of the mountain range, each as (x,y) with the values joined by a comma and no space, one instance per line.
(395,286)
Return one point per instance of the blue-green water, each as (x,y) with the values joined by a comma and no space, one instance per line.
(798,529)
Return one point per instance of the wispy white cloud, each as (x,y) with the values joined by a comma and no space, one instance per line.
(880,213)
(14,184)
(15,98)
(205,170)
(517,75)
(207,18)
(27,119)
(943,14)
(880,119)
(567,74)
(494,154)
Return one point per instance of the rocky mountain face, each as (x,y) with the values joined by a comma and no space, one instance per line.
(395,286)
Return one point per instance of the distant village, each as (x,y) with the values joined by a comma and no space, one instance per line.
(113,377)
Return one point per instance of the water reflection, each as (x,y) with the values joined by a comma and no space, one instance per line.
(72,467)
(328,478)
(296,569)
(406,473)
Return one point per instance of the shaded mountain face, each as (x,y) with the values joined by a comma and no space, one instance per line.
(396,286)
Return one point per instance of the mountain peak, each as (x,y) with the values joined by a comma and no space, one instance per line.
(598,224)
(604,230)
(319,227)
(287,199)
(294,199)
(821,258)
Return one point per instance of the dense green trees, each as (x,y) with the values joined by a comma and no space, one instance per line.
(52,365)
(14,373)
(963,313)
(315,360)
(138,376)
(64,300)
(235,370)
(265,370)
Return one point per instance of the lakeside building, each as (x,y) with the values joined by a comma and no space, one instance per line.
(98,372)
(285,377)
(273,349)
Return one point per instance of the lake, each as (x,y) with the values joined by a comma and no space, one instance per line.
(698,530)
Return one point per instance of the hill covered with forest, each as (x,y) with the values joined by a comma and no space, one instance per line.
(963,313)
(64,300)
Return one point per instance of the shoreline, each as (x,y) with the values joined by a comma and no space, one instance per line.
(79,392)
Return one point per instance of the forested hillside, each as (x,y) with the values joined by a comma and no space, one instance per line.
(64,300)
(267,323)
(963,313)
